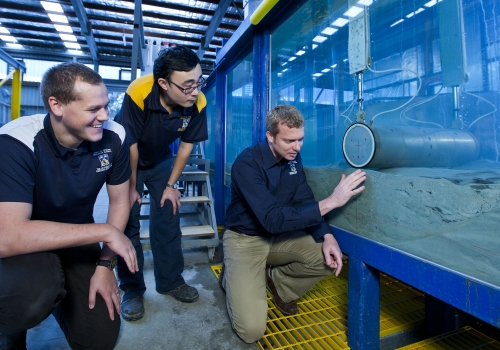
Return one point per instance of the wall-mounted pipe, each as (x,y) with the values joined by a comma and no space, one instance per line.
(261,11)
(404,146)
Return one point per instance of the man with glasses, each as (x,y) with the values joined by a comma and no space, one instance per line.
(158,109)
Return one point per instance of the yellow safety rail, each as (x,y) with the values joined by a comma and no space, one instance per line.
(262,10)
(16,95)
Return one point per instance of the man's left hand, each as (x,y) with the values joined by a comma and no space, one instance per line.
(332,253)
(104,282)
(174,196)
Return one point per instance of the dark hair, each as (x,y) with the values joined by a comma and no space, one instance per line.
(176,58)
(59,81)
(283,114)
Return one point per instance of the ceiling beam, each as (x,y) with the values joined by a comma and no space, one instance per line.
(138,40)
(4,56)
(212,28)
(86,29)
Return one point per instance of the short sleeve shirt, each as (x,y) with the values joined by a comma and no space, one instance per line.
(62,184)
(149,124)
(270,197)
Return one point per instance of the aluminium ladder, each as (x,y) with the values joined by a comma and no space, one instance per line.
(198,224)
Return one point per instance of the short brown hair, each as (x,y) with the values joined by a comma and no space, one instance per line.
(283,114)
(59,82)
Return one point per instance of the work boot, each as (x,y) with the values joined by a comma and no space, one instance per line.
(14,341)
(132,309)
(184,293)
(287,309)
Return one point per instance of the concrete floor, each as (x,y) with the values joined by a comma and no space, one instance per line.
(168,323)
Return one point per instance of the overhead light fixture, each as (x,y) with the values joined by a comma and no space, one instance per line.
(329,30)
(52,6)
(63,29)
(410,15)
(4,30)
(365,2)
(14,45)
(319,38)
(284,64)
(284,70)
(314,46)
(317,74)
(300,52)
(72,45)
(326,70)
(432,3)
(353,11)
(75,52)
(340,22)
(292,58)
(397,22)
(335,65)
(9,38)
(67,37)
(58,18)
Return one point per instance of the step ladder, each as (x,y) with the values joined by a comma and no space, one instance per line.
(198,224)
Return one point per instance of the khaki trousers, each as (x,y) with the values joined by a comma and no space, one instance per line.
(299,265)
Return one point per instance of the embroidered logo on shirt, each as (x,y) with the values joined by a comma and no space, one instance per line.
(185,122)
(293,169)
(103,157)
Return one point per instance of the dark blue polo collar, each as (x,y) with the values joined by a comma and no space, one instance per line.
(58,149)
(268,158)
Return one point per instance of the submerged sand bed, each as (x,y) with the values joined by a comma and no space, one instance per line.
(450,217)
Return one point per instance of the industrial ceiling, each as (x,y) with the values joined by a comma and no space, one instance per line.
(105,29)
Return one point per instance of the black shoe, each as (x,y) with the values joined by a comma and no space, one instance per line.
(15,341)
(184,293)
(132,309)
(221,276)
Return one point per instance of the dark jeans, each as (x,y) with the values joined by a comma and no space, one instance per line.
(35,285)
(164,234)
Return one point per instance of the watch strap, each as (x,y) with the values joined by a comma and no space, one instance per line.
(110,264)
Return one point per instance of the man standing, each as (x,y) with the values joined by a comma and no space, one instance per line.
(158,109)
(274,221)
(51,170)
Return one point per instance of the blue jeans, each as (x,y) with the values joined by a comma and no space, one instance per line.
(164,234)
(35,285)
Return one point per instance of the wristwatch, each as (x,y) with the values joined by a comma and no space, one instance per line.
(172,186)
(110,264)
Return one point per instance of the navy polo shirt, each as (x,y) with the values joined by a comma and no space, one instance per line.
(149,124)
(62,184)
(270,197)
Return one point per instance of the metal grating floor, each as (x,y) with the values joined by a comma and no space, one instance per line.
(322,320)
(465,338)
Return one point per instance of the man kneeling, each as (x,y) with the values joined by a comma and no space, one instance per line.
(276,234)
(51,171)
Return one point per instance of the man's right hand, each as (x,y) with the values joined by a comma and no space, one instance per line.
(135,197)
(121,245)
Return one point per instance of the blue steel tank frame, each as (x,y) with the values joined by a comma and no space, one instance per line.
(367,258)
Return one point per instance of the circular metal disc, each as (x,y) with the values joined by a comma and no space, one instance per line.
(358,145)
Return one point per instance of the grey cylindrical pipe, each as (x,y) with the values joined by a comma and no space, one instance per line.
(391,147)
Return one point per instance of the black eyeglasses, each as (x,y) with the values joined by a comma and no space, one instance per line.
(190,89)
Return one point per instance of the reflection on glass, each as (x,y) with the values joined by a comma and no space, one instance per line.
(238,112)
(211,123)
(434,79)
